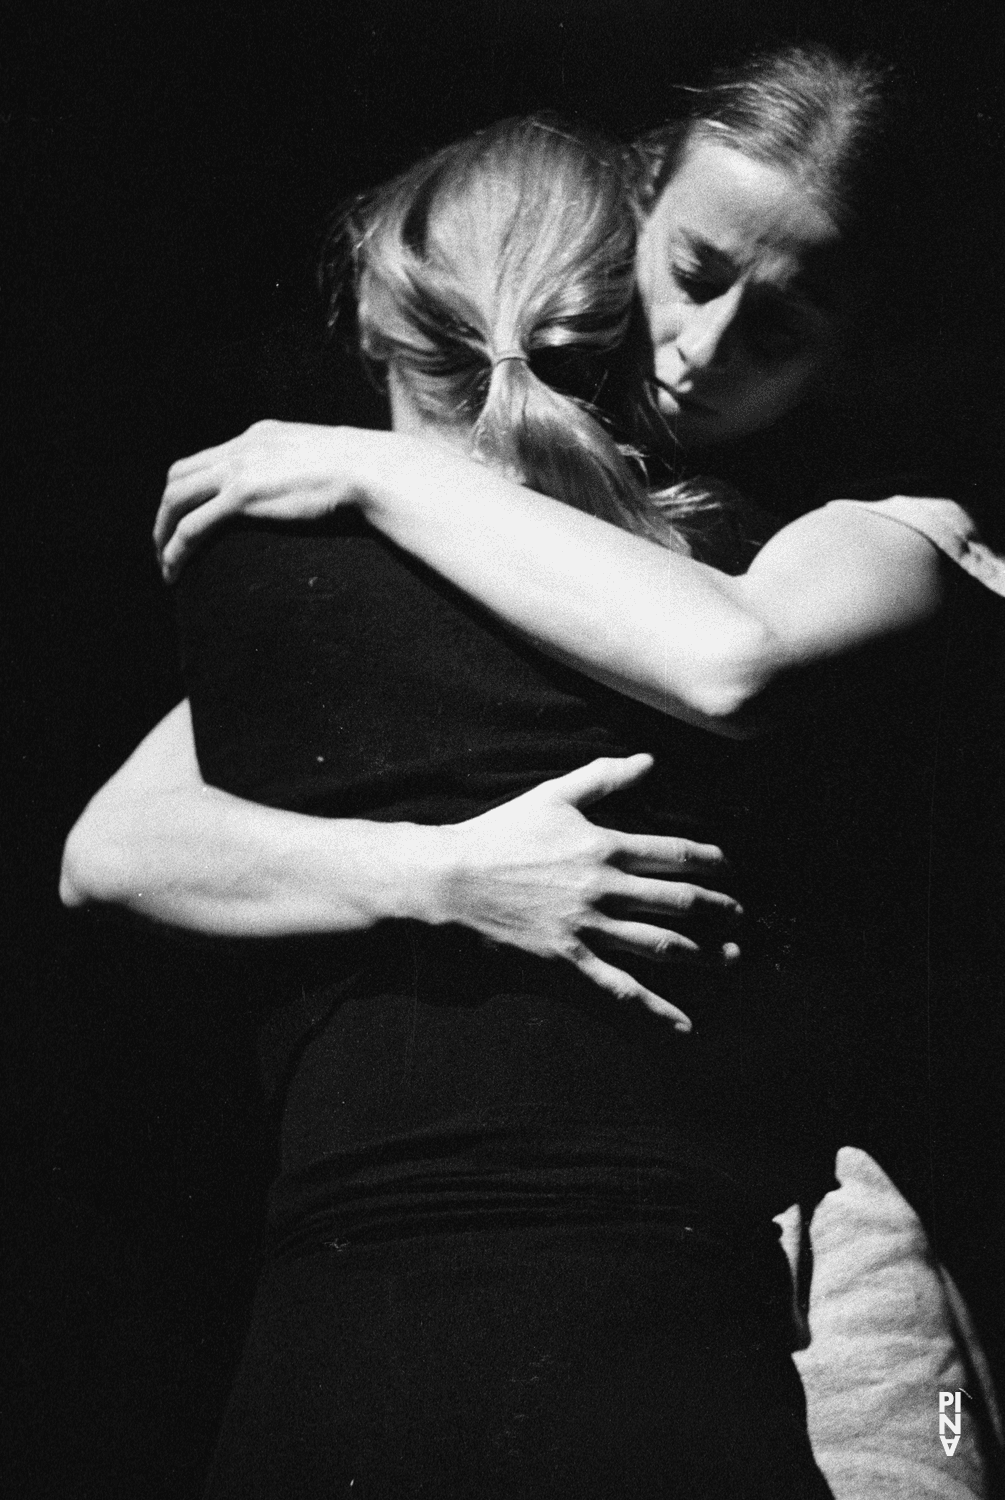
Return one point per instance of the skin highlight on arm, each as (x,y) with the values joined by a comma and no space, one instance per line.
(160,842)
(533,873)
(657,625)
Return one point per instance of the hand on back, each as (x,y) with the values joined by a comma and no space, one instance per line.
(277,471)
(535,874)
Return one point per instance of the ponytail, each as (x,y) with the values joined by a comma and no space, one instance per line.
(498,278)
(553,442)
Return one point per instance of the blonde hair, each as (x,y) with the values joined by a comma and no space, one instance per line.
(497,277)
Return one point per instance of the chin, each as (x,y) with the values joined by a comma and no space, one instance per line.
(694,429)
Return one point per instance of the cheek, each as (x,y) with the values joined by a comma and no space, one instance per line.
(759,398)
(774,394)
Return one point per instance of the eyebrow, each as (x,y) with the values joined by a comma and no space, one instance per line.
(711,254)
(807,287)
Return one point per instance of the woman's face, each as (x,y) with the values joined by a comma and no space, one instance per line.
(732,272)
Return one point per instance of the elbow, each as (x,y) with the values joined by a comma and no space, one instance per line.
(74,885)
(728,697)
(734,710)
(732,686)
(90,870)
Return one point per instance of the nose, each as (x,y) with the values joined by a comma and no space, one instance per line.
(709,334)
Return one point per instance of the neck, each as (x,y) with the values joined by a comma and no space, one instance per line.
(406,417)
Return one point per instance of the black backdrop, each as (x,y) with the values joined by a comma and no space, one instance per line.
(166,176)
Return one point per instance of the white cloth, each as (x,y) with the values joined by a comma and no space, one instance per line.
(888,1332)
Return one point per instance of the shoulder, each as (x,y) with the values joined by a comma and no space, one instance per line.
(843,577)
(846,534)
(943,523)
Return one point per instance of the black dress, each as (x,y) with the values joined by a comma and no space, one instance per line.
(520,1241)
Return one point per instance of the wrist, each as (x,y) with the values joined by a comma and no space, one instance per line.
(401,476)
(424,866)
(375,459)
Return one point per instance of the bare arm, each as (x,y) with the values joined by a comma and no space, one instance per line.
(157,840)
(651,623)
(533,873)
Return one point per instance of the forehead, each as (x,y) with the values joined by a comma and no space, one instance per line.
(739,216)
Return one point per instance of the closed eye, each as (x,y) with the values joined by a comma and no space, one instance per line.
(696,285)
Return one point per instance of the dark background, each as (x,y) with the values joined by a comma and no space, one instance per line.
(166,177)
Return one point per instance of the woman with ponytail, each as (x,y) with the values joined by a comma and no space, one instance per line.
(519,1243)
(498,308)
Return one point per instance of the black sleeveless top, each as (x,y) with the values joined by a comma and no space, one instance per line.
(428,1078)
